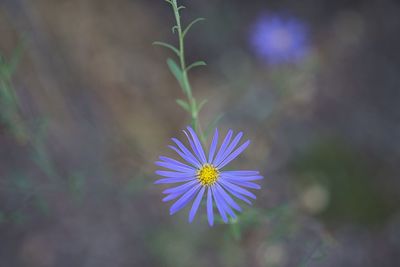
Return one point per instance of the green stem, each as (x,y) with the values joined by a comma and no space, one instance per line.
(188,89)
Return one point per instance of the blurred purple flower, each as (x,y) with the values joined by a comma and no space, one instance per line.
(277,39)
(202,176)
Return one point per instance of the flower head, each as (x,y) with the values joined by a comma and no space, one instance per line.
(202,176)
(278,40)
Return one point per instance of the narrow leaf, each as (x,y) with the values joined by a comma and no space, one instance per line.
(196,64)
(175,28)
(183,104)
(191,24)
(173,48)
(235,229)
(16,57)
(202,103)
(176,71)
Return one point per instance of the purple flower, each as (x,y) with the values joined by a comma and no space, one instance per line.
(277,40)
(201,176)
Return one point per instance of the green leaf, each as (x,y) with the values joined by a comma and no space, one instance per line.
(191,24)
(196,64)
(183,104)
(176,71)
(213,124)
(235,229)
(76,185)
(175,28)
(181,7)
(8,68)
(173,48)
(194,105)
(202,103)
(7,97)
(18,217)
(16,56)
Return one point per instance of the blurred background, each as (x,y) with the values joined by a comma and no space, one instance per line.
(87,104)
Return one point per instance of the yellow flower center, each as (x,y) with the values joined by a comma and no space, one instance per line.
(207,174)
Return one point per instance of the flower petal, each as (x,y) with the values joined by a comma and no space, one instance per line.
(174,167)
(229,187)
(213,146)
(230,148)
(196,204)
(222,202)
(174,180)
(223,146)
(172,196)
(198,145)
(171,174)
(245,184)
(189,159)
(240,178)
(180,203)
(210,212)
(194,148)
(228,198)
(237,195)
(184,149)
(219,204)
(234,154)
(172,161)
(236,188)
(179,188)
(242,173)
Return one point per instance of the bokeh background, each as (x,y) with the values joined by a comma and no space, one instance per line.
(87,105)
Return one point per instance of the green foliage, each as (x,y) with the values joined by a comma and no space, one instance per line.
(178,73)
(22,187)
(185,105)
(196,64)
(7,68)
(18,218)
(235,229)
(9,103)
(348,177)
(180,70)
(201,105)
(285,222)
(136,185)
(191,25)
(173,48)
(76,185)
(39,154)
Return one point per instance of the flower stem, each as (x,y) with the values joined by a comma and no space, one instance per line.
(194,112)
